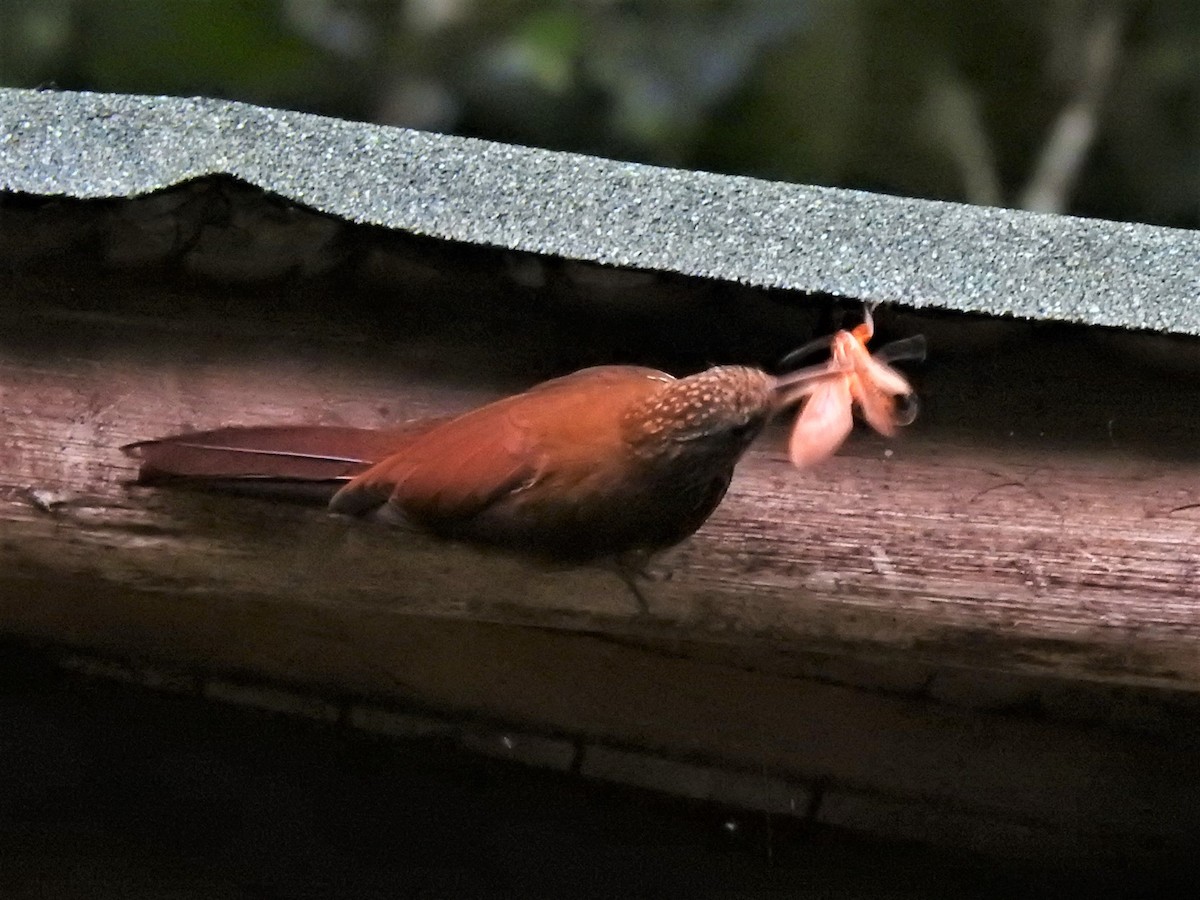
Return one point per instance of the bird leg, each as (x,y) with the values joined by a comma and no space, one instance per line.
(630,567)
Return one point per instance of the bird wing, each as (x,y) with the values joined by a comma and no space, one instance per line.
(462,467)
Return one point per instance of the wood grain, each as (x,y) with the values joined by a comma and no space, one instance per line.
(1040,518)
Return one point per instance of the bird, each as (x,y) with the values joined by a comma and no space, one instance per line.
(614,462)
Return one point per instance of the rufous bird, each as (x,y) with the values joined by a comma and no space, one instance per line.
(610,462)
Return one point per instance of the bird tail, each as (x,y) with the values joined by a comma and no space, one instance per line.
(269,459)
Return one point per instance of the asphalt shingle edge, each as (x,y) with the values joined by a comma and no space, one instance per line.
(848,243)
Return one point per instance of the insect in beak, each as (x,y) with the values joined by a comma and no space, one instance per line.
(855,379)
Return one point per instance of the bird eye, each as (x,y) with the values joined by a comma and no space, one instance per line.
(743,431)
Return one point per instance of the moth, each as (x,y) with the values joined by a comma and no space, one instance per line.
(858,381)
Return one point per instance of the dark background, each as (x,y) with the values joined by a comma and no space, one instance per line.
(114,792)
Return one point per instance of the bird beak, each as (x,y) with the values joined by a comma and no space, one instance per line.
(793,387)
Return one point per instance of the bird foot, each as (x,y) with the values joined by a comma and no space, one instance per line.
(631,568)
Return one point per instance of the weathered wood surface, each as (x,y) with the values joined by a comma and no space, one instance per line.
(1040,518)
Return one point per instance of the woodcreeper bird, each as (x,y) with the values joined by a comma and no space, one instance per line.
(611,462)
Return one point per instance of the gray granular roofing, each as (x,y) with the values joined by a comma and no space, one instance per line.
(848,243)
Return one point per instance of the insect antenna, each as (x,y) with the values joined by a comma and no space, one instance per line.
(816,345)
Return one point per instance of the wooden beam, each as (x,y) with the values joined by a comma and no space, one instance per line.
(1040,518)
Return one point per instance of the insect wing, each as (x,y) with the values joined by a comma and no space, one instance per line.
(883,377)
(822,425)
(910,348)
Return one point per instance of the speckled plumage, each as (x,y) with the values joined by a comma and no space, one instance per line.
(707,403)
